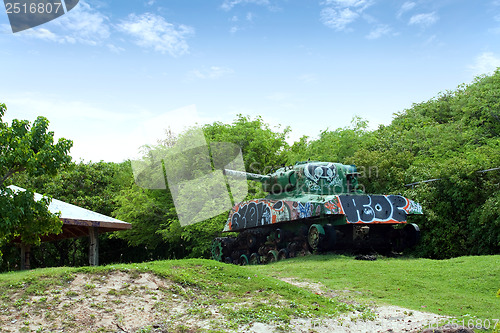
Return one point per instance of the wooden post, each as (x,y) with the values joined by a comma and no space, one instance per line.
(94,246)
(25,256)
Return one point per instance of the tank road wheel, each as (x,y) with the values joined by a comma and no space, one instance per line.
(262,250)
(292,249)
(283,254)
(216,249)
(315,236)
(254,259)
(243,261)
(272,256)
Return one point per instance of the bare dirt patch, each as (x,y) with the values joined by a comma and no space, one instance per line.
(129,301)
(381,319)
(113,302)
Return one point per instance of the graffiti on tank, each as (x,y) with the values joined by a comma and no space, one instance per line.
(261,212)
(256,213)
(250,213)
(356,208)
(333,206)
(266,217)
(318,209)
(376,208)
(304,210)
(414,208)
(315,173)
(280,211)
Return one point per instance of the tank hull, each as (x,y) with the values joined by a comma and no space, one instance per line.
(275,229)
(357,209)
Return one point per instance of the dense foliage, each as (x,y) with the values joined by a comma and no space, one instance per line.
(152,211)
(30,149)
(452,139)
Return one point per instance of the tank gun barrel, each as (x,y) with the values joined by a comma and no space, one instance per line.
(247,175)
(277,182)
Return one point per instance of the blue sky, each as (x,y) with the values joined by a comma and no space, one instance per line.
(113,75)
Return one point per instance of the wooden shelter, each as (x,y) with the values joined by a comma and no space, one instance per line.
(77,222)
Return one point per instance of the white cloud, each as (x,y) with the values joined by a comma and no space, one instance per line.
(433,39)
(55,107)
(152,128)
(86,25)
(40,33)
(229,4)
(338,14)
(338,19)
(83,25)
(114,48)
(214,72)
(99,133)
(406,7)
(424,20)
(379,31)
(349,3)
(152,31)
(87,125)
(240,23)
(485,63)
(5,29)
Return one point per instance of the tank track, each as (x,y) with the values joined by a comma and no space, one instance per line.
(274,243)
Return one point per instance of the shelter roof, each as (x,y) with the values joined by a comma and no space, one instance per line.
(77,220)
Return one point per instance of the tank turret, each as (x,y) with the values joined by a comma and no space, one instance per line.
(322,178)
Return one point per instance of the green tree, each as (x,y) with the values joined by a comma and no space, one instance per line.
(263,147)
(30,149)
(91,185)
(152,212)
(450,138)
(338,145)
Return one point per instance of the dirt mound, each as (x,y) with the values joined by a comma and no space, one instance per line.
(119,301)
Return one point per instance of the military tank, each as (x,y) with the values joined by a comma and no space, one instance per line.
(314,207)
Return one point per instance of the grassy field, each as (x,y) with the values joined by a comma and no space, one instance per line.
(466,288)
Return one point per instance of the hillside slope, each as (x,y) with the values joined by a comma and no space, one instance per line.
(207,296)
